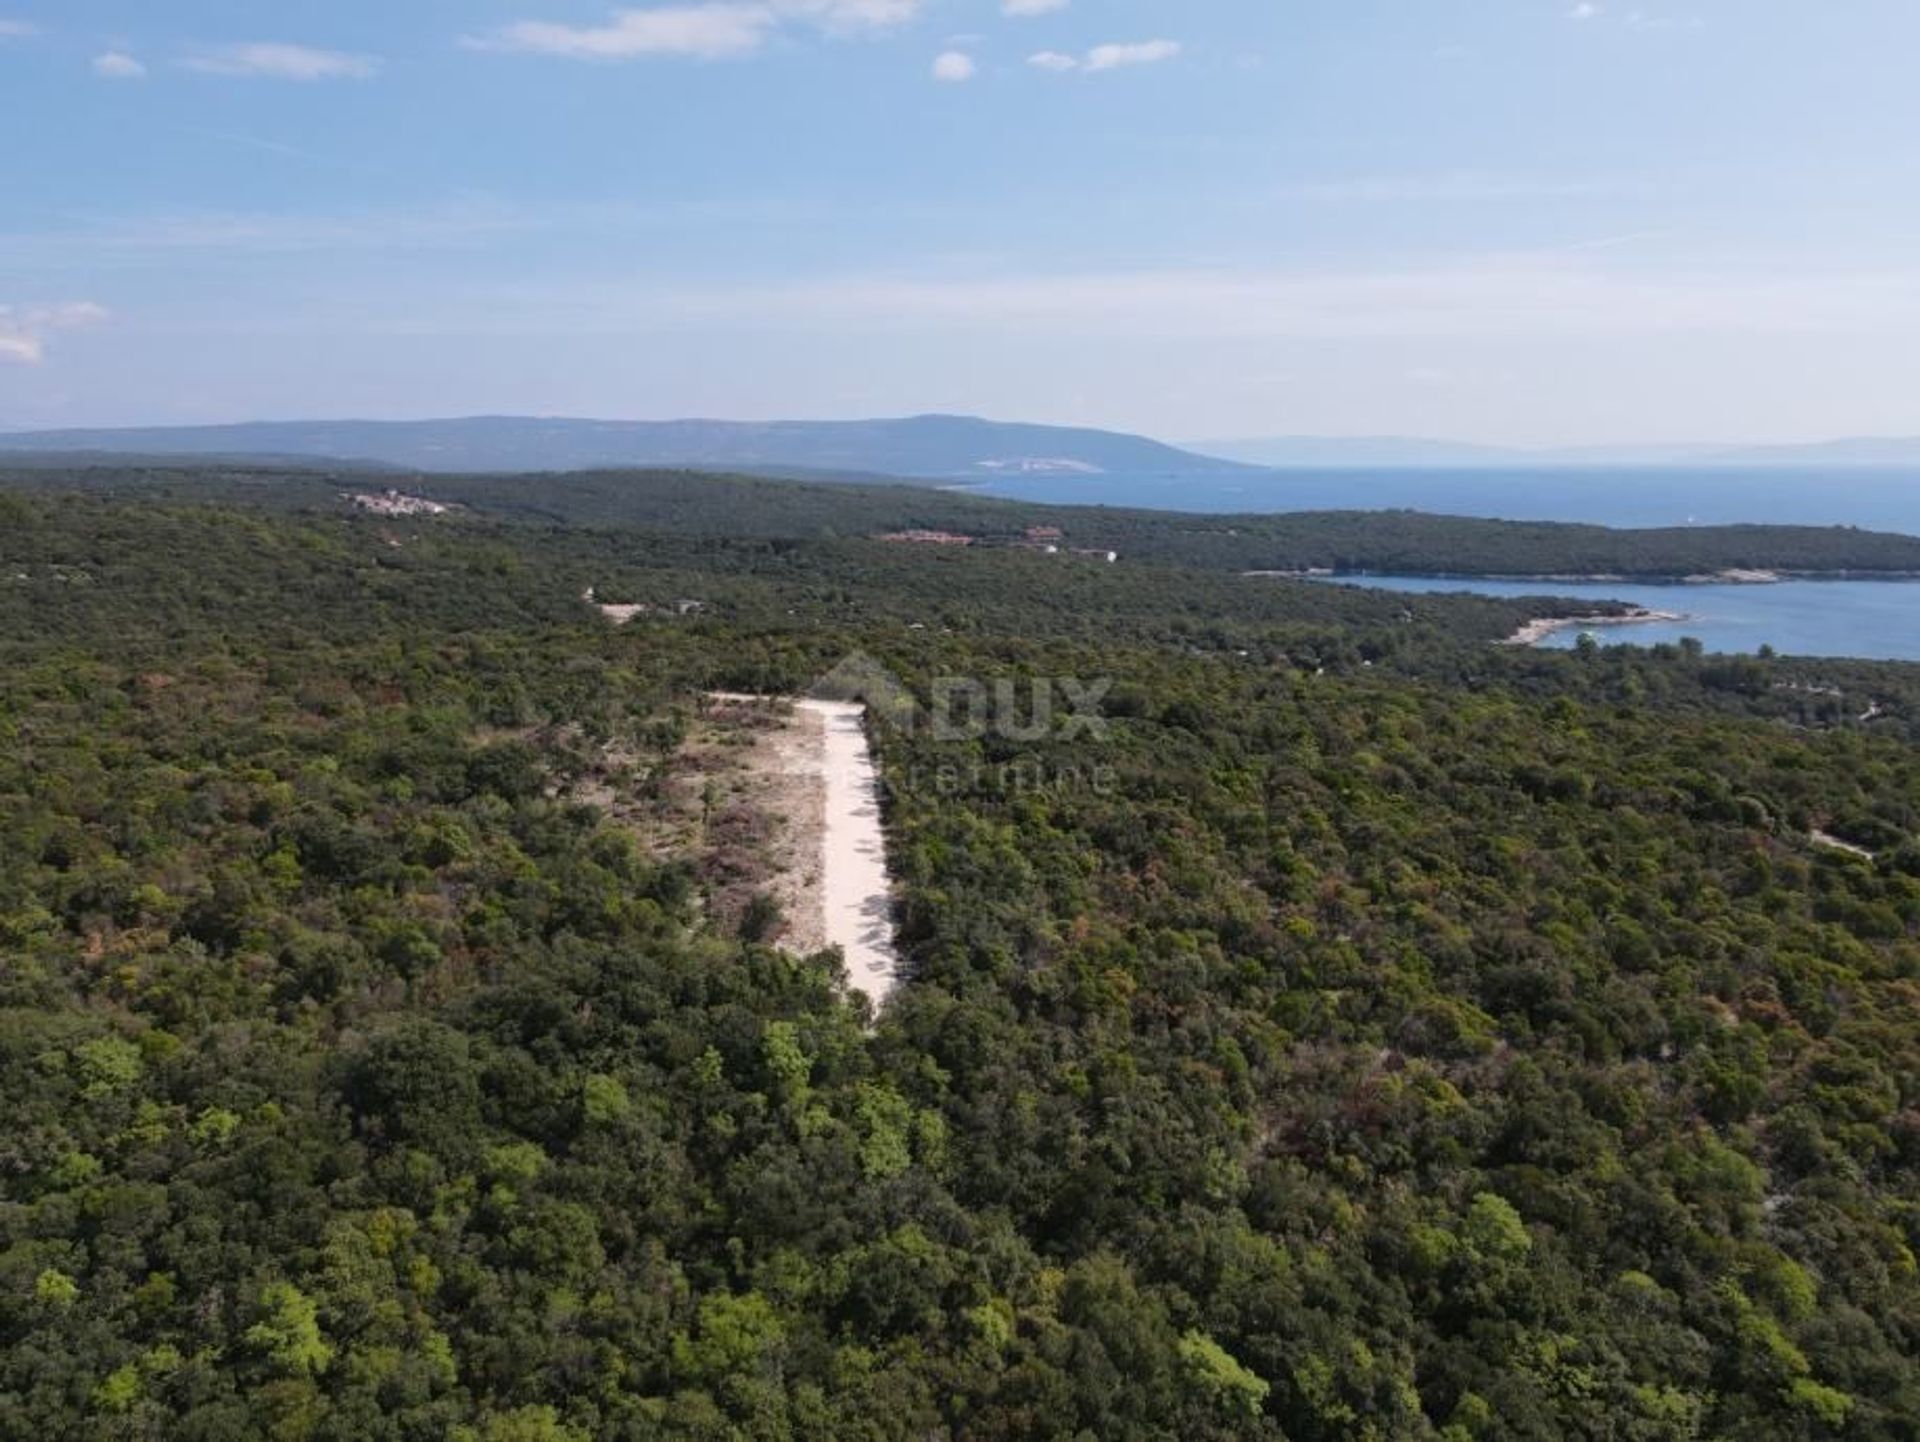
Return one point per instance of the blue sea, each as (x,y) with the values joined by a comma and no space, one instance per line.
(1876,620)
(1876,499)
(1872,619)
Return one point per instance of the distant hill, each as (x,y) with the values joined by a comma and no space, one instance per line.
(920,447)
(115,460)
(929,448)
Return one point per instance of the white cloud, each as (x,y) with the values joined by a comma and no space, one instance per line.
(283,62)
(116,65)
(850,14)
(1150,52)
(17,29)
(713,31)
(24,331)
(955,68)
(1107,57)
(1023,8)
(1586,10)
(708,32)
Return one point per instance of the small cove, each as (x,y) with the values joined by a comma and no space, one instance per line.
(1870,620)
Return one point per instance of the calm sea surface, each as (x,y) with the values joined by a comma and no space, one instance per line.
(1879,620)
(1880,500)
(1876,619)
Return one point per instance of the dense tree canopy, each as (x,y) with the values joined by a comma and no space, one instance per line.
(1367,1034)
(689,503)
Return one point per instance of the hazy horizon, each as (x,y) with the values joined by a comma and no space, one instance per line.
(1642,443)
(1514,223)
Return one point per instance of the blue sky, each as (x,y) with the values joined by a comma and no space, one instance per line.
(1530,221)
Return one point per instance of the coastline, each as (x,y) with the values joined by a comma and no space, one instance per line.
(1539,629)
(1652,578)
(1862,620)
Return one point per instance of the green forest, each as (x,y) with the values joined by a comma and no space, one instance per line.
(698,504)
(1371,1033)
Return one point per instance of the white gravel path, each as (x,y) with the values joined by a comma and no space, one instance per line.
(855,891)
(859,893)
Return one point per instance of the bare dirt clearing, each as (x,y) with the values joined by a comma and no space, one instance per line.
(809,764)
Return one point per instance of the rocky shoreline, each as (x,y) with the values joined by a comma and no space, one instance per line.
(1539,629)
(1596,578)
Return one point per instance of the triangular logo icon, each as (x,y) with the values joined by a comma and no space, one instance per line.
(858,677)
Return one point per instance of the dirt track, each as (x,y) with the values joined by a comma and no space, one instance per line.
(818,772)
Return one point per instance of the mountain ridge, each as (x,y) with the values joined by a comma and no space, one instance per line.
(927,447)
(932,447)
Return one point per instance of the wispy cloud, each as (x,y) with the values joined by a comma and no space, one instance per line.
(1641,20)
(171,239)
(1149,52)
(955,67)
(1023,8)
(24,331)
(1590,10)
(266,145)
(1107,57)
(17,29)
(1460,185)
(1526,295)
(272,61)
(714,31)
(708,32)
(164,240)
(118,65)
(851,15)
